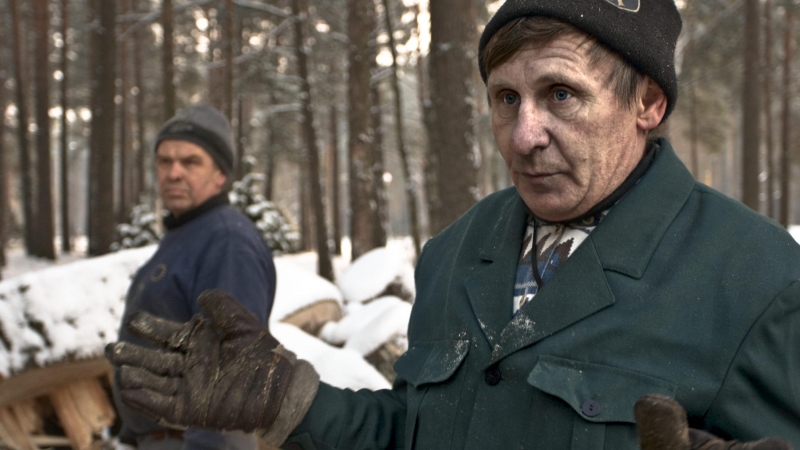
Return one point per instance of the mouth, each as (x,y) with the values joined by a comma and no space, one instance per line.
(174,193)
(538,175)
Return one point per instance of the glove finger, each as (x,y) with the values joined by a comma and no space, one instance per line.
(136,378)
(228,314)
(152,404)
(163,332)
(662,423)
(156,361)
(267,404)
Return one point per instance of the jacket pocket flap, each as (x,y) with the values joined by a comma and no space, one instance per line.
(598,393)
(431,362)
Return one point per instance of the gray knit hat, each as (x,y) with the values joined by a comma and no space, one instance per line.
(206,127)
(643,32)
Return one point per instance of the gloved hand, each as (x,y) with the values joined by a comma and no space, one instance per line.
(221,373)
(663,426)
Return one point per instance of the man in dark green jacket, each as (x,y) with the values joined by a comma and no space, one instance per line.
(546,311)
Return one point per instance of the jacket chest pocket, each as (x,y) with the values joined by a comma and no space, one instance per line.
(433,391)
(601,397)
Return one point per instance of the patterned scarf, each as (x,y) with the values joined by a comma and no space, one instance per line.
(555,243)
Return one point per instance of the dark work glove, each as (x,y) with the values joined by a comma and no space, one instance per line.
(663,426)
(221,373)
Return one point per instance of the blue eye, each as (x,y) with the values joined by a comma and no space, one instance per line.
(510,99)
(561,95)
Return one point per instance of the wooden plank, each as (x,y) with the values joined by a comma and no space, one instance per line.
(40,382)
(311,318)
(93,404)
(50,441)
(11,433)
(69,416)
(28,416)
(84,410)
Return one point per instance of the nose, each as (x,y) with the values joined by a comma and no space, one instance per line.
(175,171)
(530,129)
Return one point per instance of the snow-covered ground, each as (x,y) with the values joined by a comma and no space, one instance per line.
(71,308)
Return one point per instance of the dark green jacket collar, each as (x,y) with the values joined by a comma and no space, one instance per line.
(624,242)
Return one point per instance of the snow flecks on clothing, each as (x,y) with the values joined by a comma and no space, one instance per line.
(64,312)
(451,359)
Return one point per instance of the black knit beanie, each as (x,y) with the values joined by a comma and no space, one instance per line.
(643,32)
(206,127)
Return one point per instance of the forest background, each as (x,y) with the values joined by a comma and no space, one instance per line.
(366,119)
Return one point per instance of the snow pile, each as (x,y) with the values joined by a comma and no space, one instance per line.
(382,271)
(298,288)
(357,316)
(338,367)
(65,312)
(72,311)
(392,325)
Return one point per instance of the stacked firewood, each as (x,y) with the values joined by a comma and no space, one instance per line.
(72,394)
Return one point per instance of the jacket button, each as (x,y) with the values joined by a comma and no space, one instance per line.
(492,376)
(590,408)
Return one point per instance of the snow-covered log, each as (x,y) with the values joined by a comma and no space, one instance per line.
(379,272)
(383,339)
(343,368)
(358,316)
(304,299)
(64,313)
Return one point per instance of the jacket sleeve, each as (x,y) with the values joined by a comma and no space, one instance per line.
(342,419)
(760,395)
(240,266)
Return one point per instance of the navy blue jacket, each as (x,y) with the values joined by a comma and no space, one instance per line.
(211,247)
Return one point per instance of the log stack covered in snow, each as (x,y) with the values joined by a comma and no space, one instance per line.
(54,324)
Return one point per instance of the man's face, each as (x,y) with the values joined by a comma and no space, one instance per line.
(566,139)
(187,176)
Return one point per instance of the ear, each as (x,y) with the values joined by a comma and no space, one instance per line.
(651,107)
(220,179)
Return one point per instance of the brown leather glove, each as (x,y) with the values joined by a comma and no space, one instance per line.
(221,373)
(663,426)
